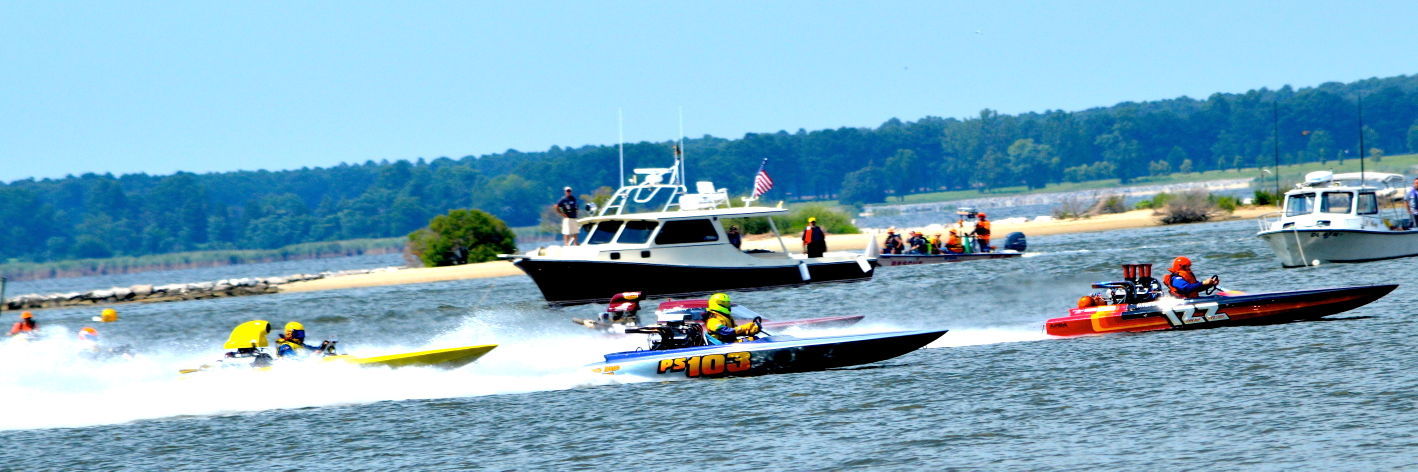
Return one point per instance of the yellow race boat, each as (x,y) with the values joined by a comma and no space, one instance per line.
(249,340)
(450,358)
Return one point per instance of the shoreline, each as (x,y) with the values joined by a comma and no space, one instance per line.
(835,242)
(416,275)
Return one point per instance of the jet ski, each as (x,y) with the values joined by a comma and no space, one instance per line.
(624,313)
(1140,303)
(249,341)
(679,349)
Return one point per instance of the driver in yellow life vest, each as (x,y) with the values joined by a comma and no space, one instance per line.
(719,325)
(292,343)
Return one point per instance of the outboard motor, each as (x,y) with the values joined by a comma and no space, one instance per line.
(1016,241)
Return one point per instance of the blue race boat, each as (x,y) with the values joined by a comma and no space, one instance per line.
(678,350)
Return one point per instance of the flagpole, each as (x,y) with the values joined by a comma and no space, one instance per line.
(620,123)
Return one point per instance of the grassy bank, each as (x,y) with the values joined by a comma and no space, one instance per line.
(194,259)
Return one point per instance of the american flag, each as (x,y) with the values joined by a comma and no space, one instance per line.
(761,182)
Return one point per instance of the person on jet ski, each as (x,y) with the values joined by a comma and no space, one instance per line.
(292,343)
(26,325)
(1182,283)
(719,327)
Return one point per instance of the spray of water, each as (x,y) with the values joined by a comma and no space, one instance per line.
(60,386)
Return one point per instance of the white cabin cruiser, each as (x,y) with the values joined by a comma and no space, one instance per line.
(657,238)
(1347,217)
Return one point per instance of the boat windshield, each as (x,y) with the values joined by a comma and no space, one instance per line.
(1368,204)
(636,232)
(1336,202)
(687,231)
(605,231)
(1300,204)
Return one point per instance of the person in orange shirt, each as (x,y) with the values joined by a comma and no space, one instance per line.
(953,245)
(26,324)
(982,234)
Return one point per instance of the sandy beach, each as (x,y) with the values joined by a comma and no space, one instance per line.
(835,242)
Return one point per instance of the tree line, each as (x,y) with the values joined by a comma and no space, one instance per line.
(101,215)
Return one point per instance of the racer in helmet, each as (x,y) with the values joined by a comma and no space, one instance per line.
(719,326)
(1182,283)
(292,343)
(1091,300)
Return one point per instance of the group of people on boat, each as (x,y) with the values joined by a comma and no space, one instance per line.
(918,243)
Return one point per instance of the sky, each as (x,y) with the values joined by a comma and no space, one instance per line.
(160,87)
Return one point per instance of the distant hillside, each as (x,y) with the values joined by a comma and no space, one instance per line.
(96,216)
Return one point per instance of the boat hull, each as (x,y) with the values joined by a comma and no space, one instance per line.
(773,355)
(824,322)
(1302,247)
(892,260)
(450,358)
(570,282)
(1215,311)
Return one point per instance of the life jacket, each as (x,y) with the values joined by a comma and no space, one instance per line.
(713,322)
(21,327)
(953,244)
(295,347)
(982,230)
(1188,276)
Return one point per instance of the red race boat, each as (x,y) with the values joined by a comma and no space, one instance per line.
(1140,303)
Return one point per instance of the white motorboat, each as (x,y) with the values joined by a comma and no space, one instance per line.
(657,238)
(1349,217)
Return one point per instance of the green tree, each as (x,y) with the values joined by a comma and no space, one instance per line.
(865,185)
(904,172)
(1159,168)
(1321,146)
(1036,163)
(1413,137)
(461,237)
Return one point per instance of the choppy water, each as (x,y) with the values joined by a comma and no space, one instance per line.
(994,393)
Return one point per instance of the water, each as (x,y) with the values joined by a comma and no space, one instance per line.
(994,393)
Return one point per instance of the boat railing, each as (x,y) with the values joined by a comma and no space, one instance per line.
(1267,220)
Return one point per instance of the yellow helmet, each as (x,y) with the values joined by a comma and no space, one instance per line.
(720,303)
(108,315)
(292,326)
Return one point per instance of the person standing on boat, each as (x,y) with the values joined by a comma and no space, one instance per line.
(1182,283)
(814,241)
(735,238)
(1412,199)
(982,234)
(893,243)
(566,207)
(719,327)
(26,325)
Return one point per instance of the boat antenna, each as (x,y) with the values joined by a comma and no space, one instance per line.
(1275,140)
(620,123)
(1361,139)
(682,180)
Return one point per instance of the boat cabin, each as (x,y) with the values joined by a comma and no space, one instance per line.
(1327,200)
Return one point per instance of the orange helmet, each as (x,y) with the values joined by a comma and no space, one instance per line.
(26,315)
(981,215)
(1085,301)
(1180,263)
(88,333)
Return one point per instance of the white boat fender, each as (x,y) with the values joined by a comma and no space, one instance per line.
(862,262)
(802,270)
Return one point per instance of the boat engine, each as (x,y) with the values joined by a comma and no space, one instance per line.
(672,335)
(624,308)
(258,357)
(1137,286)
(1015,241)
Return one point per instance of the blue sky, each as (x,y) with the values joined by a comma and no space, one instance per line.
(159,87)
